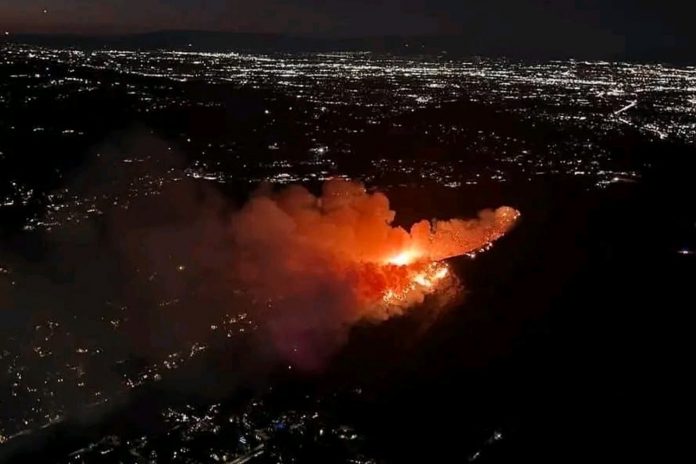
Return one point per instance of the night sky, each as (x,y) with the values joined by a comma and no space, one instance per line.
(587,24)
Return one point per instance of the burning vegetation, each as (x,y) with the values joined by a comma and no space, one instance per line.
(330,260)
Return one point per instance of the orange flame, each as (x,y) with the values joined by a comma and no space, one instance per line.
(424,280)
(404,258)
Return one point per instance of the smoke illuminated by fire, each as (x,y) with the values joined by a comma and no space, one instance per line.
(404,258)
(337,257)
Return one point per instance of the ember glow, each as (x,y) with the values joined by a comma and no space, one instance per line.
(334,259)
(422,280)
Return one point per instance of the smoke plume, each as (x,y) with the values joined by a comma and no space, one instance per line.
(166,267)
(318,263)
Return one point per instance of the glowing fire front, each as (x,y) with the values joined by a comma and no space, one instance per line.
(419,278)
(422,280)
(404,258)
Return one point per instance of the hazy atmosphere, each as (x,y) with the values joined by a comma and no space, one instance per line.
(355,232)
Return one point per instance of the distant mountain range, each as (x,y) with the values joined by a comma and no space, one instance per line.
(457,45)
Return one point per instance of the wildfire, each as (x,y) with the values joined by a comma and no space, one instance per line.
(421,278)
(339,253)
(316,264)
